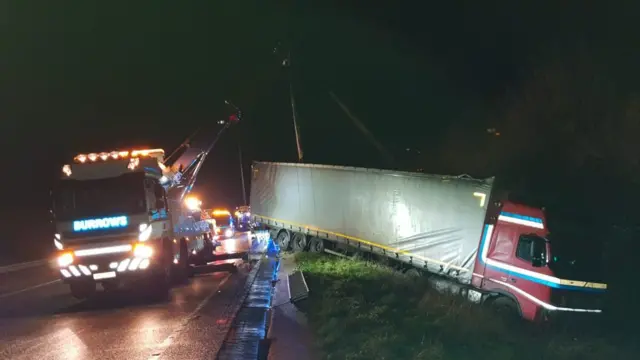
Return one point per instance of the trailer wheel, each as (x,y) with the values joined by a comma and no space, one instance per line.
(283,240)
(316,245)
(412,273)
(299,242)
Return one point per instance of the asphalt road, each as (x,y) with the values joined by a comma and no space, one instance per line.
(39,319)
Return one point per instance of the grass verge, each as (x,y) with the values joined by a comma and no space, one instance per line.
(360,310)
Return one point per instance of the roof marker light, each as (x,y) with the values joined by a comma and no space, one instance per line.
(133,163)
(116,154)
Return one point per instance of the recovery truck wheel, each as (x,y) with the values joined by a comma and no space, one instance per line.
(284,240)
(299,242)
(182,271)
(316,245)
(161,276)
(82,290)
(160,284)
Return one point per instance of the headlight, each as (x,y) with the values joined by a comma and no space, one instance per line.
(228,233)
(65,260)
(145,232)
(142,251)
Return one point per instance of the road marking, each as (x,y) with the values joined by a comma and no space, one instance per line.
(174,334)
(21,266)
(2,296)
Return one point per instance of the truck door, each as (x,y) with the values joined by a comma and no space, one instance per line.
(529,274)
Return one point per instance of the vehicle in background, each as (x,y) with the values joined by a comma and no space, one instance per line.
(228,243)
(243,218)
(457,230)
(224,224)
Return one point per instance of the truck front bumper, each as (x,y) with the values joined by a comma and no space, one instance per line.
(108,269)
(570,317)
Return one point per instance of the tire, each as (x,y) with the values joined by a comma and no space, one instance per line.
(413,273)
(284,240)
(299,242)
(316,245)
(182,269)
(505,308)
(160,284)
(161,277)
(82,290)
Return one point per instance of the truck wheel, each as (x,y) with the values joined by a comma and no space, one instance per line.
(82,290)
(182,269)
(299,242)
(316,245)
(505,308)
(160,285)
(283,240)
(161,278)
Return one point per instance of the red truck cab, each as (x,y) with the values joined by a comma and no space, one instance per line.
(515,262)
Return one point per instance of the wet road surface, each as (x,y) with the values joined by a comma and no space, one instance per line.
(39,319)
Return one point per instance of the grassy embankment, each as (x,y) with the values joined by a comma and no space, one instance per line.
(360,310)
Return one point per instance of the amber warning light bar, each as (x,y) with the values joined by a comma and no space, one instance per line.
(133,156)
(115,155)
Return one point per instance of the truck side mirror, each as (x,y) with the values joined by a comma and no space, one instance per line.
(538,262)
(538,252)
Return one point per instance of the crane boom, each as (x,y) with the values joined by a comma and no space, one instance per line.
(183,171)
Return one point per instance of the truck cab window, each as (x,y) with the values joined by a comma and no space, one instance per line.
(159,196)
(532,249)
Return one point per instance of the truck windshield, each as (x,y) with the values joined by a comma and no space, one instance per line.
(76,199)
(222,220)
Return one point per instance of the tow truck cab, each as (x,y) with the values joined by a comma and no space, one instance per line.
(224,224)
(243,216)
(516,263)
(114,222)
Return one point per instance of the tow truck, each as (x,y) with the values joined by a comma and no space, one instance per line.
(243,216)
(223,223)
(229,244)
(125,216)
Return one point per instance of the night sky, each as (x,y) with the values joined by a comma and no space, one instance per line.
(94,76)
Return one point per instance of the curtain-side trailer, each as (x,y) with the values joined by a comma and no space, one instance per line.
(457,228)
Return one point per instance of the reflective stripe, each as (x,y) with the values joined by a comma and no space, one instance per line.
(521,220)
(543,279)
(103,250)
(540,302)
